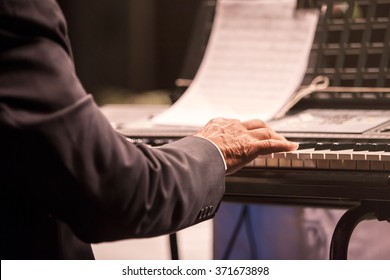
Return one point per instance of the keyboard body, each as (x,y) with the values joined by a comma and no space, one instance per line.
(329,169)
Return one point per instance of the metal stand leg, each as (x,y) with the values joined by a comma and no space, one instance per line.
(174,247)
(367,210)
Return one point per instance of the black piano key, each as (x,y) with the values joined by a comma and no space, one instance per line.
(361,147)
(376,147)
(387,149)
(306,145)
(342,146)
(323,146)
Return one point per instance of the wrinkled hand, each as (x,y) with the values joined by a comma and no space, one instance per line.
(241,142)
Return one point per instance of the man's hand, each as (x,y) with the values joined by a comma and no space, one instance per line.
(241,142)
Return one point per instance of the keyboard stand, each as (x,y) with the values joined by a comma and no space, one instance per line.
(173,246)
(367,210)
(317,188)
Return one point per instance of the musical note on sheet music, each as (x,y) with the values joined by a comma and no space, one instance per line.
(255,60)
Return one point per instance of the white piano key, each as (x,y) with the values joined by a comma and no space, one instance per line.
(268,156)
(362,165)
(346,154)
(272,162)
(318,154)
(323,151)
(331,155)
(310,163)
(304,153)
(279,155)
(376,165)
(336,164)
(360,156)
(385,156)
(360,152)
(260,162)
(323,164)
(326,159)
(297,163)
(374,155)
(349,164)
(283,162)
(343,150)
(292,155)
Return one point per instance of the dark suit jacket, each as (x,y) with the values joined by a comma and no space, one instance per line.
(67,179)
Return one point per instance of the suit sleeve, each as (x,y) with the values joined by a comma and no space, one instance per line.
(91,177)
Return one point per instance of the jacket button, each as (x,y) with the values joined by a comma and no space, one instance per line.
(201,213)
(206,212)
(210,210)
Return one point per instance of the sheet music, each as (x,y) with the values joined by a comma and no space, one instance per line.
(255,60)
(332,121)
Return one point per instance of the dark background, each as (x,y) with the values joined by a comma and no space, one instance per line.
(133,45)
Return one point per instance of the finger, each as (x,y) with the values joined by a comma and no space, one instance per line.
(254,124)
(266,133)
(269,146)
